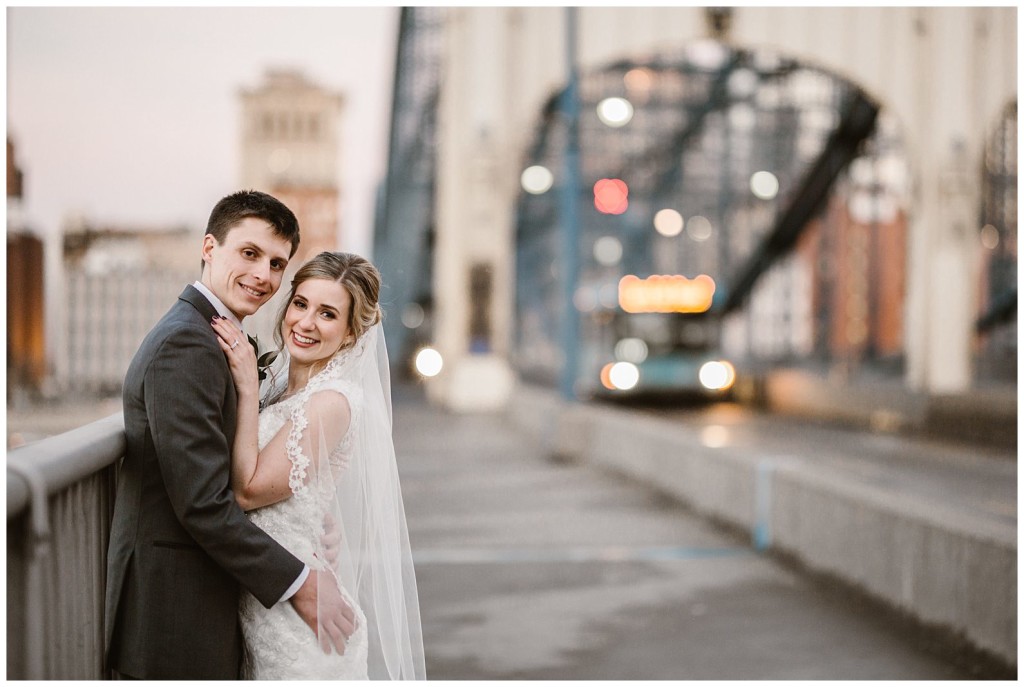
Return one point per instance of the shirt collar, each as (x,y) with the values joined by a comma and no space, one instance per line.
(218,305)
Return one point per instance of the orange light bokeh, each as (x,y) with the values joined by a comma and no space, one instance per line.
(666,293)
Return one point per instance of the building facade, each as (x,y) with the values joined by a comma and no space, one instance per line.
(290,149)
(117,282)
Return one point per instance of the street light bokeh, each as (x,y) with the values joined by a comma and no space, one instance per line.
(537,179)
(699,228)
(429,362)
(668,222)
(615,112)
(764,185)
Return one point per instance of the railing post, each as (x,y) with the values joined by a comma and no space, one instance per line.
(37,551)
(61,487)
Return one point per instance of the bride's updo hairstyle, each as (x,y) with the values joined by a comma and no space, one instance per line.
(359,277)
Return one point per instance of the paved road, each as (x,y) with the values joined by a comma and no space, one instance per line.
(530,569)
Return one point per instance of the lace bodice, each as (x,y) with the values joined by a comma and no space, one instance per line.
(289,521)
(279,645)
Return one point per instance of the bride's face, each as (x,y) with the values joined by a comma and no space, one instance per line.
(316,322)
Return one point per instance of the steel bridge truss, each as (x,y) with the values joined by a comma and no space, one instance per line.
(705,119)
(404,228)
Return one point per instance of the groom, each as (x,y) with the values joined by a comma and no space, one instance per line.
(181,549)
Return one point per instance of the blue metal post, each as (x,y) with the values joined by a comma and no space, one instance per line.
(570,189)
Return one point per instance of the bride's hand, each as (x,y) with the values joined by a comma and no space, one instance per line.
(241,357)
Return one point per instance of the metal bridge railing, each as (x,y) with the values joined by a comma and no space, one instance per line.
(60,499)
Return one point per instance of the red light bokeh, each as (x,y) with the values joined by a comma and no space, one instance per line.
(611,196)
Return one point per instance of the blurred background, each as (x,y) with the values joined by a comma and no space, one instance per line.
(838,208)
(723,219)
(126,125)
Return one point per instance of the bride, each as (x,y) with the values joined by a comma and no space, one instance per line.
(315,469)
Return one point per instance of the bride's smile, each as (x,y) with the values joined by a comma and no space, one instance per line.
(316,323)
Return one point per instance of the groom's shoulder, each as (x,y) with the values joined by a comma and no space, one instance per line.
(181,322)
(181,315)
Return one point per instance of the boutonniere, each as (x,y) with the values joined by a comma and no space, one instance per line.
(263,360)
(263,363)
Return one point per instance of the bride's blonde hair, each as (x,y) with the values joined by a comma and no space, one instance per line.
(356,274)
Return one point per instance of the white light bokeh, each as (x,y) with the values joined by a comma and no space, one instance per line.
(615,112)
(608,251)
(699,228)
(764,185)
(537,179)
(412,315)
(624,376)
(742,83)
(717,375)
(429,362)
(707,53)
(668,222)
(892,173)
(631,350)
(585,298)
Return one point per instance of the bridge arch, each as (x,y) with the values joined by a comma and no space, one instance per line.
(707,124)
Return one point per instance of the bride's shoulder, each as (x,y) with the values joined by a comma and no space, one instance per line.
(336,406)
(338,394)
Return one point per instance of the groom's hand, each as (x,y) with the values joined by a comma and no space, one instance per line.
(319,603)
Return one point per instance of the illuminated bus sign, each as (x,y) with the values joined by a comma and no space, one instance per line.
(666,293)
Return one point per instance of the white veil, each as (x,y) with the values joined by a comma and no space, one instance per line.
(357,476)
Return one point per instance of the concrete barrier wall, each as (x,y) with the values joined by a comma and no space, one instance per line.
(941,566)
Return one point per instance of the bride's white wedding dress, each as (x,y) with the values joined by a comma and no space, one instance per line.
(278,643)
(350,474)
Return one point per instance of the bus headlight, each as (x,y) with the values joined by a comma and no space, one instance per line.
(717,375)
(624,376)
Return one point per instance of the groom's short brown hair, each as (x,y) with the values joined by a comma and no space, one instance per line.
(232,209)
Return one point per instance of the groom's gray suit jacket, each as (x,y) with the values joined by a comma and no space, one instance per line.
(180,546)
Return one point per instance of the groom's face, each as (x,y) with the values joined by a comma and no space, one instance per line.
(246,270)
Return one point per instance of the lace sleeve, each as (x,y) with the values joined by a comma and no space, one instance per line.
(318,426)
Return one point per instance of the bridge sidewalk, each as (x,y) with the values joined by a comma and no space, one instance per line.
(533,568)
(928,527)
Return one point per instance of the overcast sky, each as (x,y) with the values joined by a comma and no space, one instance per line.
(131,115)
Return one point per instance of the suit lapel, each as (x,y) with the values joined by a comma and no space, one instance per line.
(197,300)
